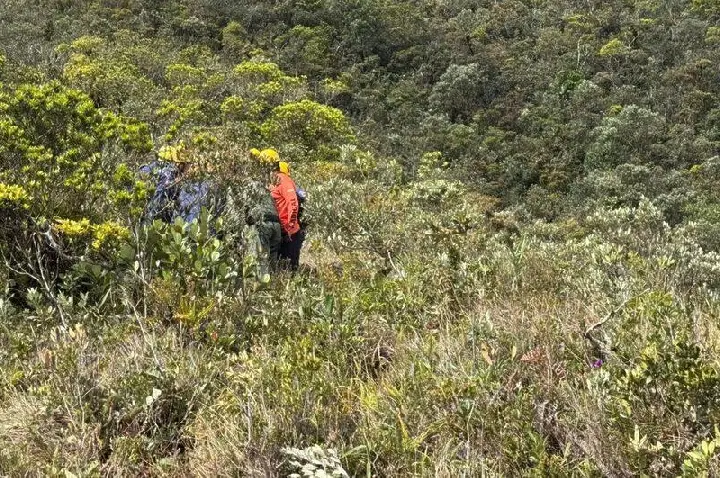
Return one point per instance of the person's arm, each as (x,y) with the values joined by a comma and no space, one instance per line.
(293,208)
(287,206)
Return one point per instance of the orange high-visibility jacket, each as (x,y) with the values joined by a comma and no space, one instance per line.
(286,203)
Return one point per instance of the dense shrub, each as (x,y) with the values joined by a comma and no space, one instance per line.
(512,260)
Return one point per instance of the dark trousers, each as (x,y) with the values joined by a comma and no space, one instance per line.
(290,250)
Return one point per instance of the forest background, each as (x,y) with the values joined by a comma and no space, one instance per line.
(513,258)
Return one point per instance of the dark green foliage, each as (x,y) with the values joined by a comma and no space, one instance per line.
(512,257)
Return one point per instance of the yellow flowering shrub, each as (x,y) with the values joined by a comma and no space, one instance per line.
(612,48)
(87,44)
(101,234)
(12,194)
(258,71)
(266,84)
(310,129)
(73,228)
(182,74)
(107,232)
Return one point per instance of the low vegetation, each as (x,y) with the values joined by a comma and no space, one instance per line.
(512,265)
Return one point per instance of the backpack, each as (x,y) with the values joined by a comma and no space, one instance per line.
(302,198)
(192,197)
(163,203)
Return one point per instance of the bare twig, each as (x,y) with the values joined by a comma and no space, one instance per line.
(609,316)
(588,332)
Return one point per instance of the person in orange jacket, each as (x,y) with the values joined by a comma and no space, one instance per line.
(284,194)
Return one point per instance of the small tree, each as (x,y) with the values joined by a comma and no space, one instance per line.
(462,89)
(63,185)
(633,135)
(308,130)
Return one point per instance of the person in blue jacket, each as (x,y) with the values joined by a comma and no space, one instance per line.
(179,190)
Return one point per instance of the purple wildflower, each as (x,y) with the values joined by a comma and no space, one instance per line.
(597,364)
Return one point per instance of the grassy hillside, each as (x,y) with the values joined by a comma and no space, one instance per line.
(512,265)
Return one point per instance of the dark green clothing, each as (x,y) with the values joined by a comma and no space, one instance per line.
(263,211)
(263,216)
(270,239)
(253,213)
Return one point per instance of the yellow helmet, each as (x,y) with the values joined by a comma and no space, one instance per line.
(269,156)
(283,167)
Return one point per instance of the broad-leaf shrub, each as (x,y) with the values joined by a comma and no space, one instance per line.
(65,153)
(191,256)
(308,130)
(264,82)
(65,169)
(109,78)
(668,393)
(633,135)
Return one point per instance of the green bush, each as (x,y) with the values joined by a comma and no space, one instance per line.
(308,130)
